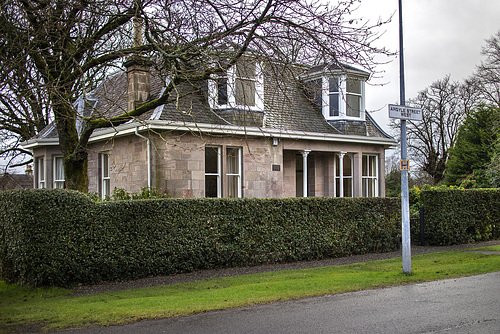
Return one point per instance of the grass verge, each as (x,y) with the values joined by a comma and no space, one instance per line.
(488,248)
(56,309)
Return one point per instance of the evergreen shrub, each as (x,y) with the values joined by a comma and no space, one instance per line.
(458,216)
(62,238)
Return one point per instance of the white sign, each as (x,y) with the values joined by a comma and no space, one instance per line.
(404,112)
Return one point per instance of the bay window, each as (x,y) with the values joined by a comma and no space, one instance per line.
(340,96)
(58,172)
(40,173)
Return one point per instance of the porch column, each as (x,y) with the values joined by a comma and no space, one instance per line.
(305,153)
(357,181)
(341,171)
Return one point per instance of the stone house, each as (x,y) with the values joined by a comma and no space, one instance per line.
(257,131)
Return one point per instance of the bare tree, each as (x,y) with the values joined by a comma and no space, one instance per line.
(23,104)
(69,44)
(22,116)
(445,105)
(487,77)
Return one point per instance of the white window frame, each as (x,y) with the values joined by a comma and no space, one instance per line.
(342,97)
(219,170)
(355,94)
(238,174)
(231,90)
(343,177)
(366,179)
(105,180)
(331,93)
(40,173)
(58,183)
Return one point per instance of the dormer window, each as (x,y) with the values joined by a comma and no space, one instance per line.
(342,98)
(339,93)
(242,87)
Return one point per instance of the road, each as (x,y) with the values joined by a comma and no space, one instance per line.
(461,305)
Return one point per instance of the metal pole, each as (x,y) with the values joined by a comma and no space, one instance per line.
(405,203)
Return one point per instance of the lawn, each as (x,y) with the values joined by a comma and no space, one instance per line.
(57,308)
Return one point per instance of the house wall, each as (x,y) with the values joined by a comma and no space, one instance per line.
(178,164)
(48,153)
(128,164)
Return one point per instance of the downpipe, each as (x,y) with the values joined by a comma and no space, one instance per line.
(148,154)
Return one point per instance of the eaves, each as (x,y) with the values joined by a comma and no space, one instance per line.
(156,125)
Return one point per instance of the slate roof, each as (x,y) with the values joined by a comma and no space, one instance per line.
(16,181)
(335,68)
(286,107)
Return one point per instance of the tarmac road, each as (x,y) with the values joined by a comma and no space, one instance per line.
(461,305)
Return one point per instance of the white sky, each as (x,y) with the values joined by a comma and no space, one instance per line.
(441,37)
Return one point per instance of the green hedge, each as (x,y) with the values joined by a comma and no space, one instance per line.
(458,216)
(55,237)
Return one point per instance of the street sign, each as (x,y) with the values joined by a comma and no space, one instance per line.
(404,112)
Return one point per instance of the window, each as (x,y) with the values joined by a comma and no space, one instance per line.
(222,90)
(233,171)
(333,93)
(340,97)
(370,176)
(343,175)
(214,169)
(212,172)
(105,176)
(241,87)
(245,84)
(58,172)
(40,173)
(353,97)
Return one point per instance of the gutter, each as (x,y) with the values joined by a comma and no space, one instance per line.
(148,145)
(133,128)
(239,130)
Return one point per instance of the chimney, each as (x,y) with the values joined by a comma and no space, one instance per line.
(29,171)
(138,75)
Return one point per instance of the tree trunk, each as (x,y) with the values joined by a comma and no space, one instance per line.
(74,153)
(76,174)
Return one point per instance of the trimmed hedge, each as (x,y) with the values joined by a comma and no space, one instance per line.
(57,237)
(458,216)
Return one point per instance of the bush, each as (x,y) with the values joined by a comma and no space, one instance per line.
(54,237)
(120,194)
(457,216)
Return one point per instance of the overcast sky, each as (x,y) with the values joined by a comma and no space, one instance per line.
(441,37)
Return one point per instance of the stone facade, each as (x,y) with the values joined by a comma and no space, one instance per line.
(48,154)
(269,168)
